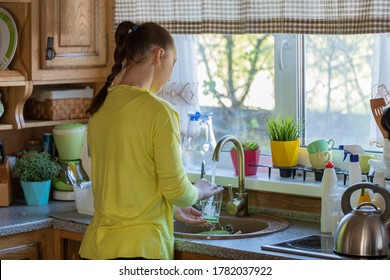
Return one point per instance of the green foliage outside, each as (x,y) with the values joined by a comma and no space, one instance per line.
(231,64)
(337,85)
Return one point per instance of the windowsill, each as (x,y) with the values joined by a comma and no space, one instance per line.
(225,175)
(275,183)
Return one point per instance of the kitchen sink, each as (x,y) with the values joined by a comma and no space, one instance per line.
(233,227)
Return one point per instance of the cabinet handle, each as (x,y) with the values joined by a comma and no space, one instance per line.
(50,52)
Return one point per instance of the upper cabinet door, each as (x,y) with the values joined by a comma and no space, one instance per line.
(73,34)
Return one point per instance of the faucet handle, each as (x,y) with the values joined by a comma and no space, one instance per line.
(230,192)
(238,205)
(202,169)
(234,205)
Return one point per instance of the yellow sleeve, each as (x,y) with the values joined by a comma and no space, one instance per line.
(172,179)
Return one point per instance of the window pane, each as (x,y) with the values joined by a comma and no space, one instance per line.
(338,88)
(236,83)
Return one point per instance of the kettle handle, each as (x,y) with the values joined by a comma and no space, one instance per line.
(346,204)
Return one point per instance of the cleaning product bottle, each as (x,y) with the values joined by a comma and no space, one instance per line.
(355,172)
(336,194)
(377,168)
(364,193)
(329,181)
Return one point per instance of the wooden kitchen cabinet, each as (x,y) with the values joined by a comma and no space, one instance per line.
(66,245)
(27,246)
(82,32)
(78,29)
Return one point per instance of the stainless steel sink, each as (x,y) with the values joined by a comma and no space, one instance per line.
(233,227)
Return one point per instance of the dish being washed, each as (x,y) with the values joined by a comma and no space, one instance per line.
(8,38)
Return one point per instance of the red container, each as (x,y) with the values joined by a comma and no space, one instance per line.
(251,157)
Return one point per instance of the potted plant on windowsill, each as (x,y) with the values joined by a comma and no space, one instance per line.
(36,171)
(251,157)
(283,132)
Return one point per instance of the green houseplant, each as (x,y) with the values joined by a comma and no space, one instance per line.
(283,132)
(36,171)
(251,157)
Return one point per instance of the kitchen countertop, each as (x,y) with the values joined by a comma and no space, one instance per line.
(62,215)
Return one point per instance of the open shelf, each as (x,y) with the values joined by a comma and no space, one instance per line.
(38,123)
(16,1)
(5,126)
(9,78)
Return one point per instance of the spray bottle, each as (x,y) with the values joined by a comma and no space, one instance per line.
(335,196)
(364,194)
(355,172)
(378,169)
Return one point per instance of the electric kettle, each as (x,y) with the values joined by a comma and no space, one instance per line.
(363,232)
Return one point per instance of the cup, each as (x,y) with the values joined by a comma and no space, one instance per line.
(363,162)
(211,208)
(321,145)
(320,159)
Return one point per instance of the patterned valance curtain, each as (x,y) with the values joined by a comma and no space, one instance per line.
(260,16)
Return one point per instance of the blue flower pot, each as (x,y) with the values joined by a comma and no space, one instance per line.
(36,193)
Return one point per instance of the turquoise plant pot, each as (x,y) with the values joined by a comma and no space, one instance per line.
(36,193)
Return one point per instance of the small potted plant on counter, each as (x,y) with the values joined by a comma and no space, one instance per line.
(283,132)
(36,170)
(251,157)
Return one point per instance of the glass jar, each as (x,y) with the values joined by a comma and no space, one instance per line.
(34,145)
(199,141)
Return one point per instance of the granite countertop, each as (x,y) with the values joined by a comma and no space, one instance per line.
(19,218)
(63,215)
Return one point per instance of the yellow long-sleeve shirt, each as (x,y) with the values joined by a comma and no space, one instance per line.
(137,177)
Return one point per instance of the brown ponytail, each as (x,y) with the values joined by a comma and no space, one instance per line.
(133,44)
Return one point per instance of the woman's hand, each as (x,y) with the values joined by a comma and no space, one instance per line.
(206,189)
(189,216)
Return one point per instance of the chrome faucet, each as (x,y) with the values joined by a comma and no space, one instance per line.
(239,204)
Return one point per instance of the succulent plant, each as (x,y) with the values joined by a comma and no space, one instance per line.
(249,145)
(33,166)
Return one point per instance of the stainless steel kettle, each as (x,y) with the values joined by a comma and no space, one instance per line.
(362,232)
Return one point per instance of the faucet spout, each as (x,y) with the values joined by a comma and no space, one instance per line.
(239,204)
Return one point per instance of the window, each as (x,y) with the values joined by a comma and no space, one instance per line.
(324,80)
(338,78)
(236,83)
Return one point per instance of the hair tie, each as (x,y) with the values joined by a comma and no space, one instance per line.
(133,28)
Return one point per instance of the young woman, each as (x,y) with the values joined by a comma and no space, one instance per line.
(134,138)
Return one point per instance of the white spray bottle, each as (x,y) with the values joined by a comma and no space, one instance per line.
(378,169)
(355,172)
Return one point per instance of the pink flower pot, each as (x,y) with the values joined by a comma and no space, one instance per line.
(251,157)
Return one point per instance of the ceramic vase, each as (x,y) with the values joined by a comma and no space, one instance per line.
(284,153)
(250,157)
(36,193)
